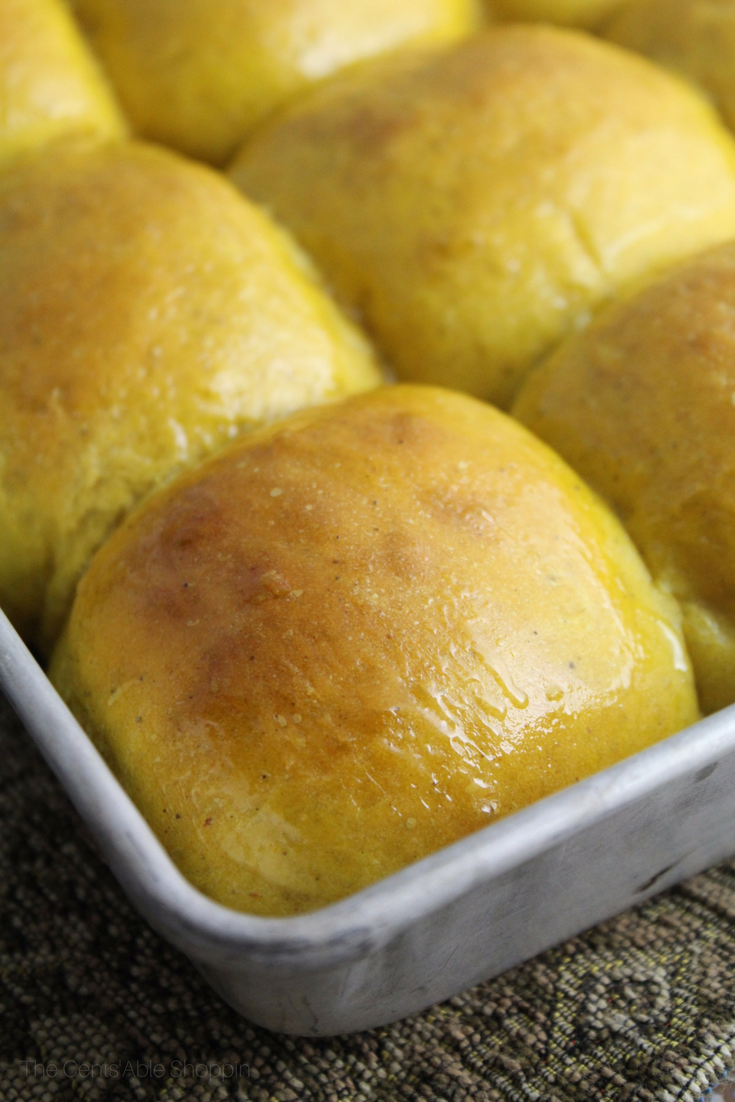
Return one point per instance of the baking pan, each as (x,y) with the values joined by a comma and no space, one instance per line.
(460,916)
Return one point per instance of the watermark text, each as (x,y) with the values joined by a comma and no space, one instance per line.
(134,1069)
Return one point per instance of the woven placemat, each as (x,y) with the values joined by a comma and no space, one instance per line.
(94,1005)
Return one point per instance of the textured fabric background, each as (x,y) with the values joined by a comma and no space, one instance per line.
(640,1008)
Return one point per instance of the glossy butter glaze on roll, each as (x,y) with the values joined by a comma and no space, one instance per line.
(360,635)
(147,315)
(200,74)
(474,204)
(643,405)
(50,85)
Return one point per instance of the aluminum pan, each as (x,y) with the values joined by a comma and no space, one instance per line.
(457,917)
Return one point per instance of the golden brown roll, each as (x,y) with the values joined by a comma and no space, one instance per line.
(148,314)
(693,37)
(199,74)
(475,204)
(359,635)
(50,86)
(571,13)
(643,405)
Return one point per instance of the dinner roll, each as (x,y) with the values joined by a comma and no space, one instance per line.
(50,86)
(357,636)
(148,314)
(475,204)
(572,13)
(643,405)
(199,74)
(694,37)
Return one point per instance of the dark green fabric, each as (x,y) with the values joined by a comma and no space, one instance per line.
(641,1008)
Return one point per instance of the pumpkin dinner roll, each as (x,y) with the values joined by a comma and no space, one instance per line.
(199,74)
(694,37)
(572,13)
(359,635)
(643,406)
(476,203)
(50,85)
(148,314)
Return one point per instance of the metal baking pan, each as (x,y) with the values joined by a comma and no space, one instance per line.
(460,916)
